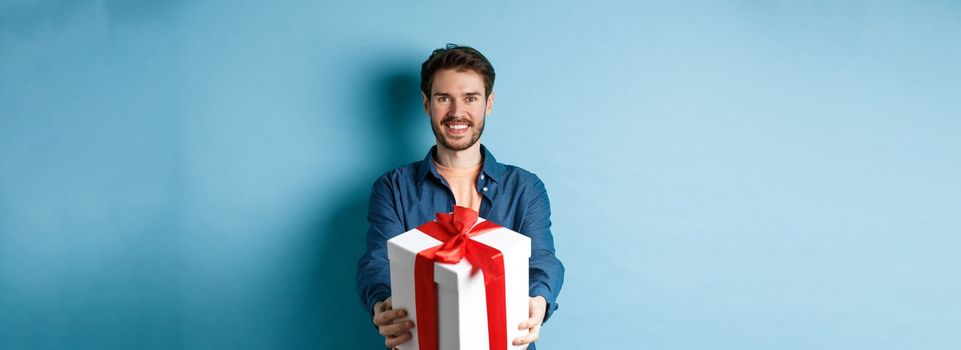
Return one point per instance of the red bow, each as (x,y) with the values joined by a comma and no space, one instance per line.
(456,230)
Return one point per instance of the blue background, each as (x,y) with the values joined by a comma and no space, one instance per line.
(724,175)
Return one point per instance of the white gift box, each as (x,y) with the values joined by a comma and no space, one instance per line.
(461,296)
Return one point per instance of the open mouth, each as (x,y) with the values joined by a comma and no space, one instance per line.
(457,127)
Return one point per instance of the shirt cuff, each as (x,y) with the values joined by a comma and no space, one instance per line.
(376,297)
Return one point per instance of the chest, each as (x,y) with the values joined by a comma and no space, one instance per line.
(420,205)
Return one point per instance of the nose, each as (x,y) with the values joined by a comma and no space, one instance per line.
(457,109)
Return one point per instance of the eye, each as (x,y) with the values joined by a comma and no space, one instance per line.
(471,98)
(442,99)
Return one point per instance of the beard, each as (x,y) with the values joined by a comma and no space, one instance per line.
(461,143)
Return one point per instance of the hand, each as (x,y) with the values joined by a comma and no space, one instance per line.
(538,306)
(392,323)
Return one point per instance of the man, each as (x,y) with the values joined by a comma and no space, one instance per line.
(457,85)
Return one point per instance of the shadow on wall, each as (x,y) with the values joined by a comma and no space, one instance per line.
(332,317)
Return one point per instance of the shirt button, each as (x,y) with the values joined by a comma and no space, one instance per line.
(482,176)
(485,189)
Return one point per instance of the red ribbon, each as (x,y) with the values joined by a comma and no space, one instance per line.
(456,230)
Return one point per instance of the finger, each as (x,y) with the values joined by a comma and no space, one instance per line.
(395,341)
(387,317)
(396,328)
(521,340)
(529,338)
(535,333)
(389,303)
(530,322)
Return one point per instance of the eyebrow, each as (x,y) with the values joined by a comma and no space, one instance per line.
(472,93)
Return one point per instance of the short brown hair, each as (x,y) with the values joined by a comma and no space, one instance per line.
(460,58)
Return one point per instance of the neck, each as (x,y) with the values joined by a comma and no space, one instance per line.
(467,158)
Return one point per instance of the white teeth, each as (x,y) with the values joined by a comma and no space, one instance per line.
(457,126)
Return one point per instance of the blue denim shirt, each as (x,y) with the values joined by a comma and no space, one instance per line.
(411,195)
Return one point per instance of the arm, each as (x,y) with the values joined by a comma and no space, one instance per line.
(373,269)
(546,271)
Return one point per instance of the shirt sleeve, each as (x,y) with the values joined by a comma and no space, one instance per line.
(373,269)
(546,271)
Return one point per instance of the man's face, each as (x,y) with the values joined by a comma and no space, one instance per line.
(457,108)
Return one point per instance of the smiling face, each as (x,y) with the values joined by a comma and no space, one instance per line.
(457,108)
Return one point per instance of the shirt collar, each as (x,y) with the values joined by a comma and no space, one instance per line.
(491,167)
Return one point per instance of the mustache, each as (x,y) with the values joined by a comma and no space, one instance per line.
(455,119)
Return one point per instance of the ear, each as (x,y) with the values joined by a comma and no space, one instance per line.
(426,103)
(490,102)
